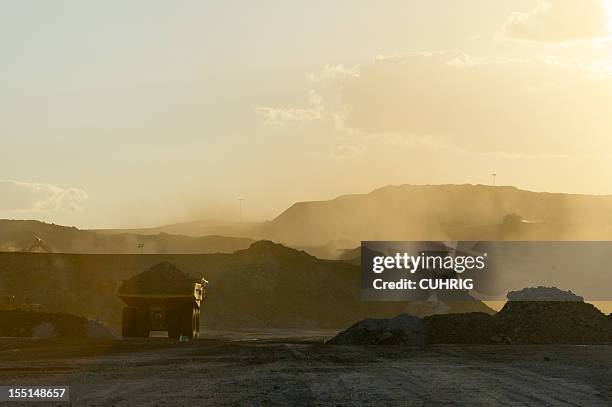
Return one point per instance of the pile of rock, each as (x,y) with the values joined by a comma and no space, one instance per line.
(543,294)
(524,322)
(163,278)
(401,330)
(546,322)
(20,323)
(568,320)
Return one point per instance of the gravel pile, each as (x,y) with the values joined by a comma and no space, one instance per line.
(163,278)
(567,320)
(544,322)
(543,294)
(401,330)
(524,322)
(19,323)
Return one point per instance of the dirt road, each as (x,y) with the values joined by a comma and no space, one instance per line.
(157,372)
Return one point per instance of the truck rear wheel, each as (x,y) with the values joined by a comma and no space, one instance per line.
(135,323)
(173,321)
(196,323)
(190,323)
(127,317)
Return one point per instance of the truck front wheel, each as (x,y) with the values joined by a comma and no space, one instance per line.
(135,323)
(174,323)
(190,323)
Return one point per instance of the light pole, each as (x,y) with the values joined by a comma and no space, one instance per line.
(494,175)
(240,206)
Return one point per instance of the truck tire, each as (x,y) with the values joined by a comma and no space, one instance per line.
(173,321)
(197,324)
(143,323)
(134,323)
(127,322)
(190,324)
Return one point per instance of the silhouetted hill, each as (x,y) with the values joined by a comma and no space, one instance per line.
(420,212)
(20,235)
(265,285)
(443,212)
(326,228)
(194,228)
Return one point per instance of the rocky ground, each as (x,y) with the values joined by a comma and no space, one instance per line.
(233,368)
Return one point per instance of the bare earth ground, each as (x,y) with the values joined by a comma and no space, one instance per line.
(236,368)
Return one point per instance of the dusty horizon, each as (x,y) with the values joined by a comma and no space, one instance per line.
(237,222)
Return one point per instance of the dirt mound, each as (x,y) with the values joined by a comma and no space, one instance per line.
(40,237)
(553,322)
(524,322)
(44,324)
(95,330)
(401,330)
(163,278)
(543,294)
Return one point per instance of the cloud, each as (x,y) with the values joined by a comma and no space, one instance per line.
(279,115)
(16,196)
(559,21)
(347,152)
(516,106)
(282,115)
(333,72)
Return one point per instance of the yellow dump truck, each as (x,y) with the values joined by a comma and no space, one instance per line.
(160,299)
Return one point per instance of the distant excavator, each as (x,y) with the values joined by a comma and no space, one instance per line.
(8,302)
(39,246)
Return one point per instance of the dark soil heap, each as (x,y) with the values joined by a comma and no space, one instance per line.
(22,323)
(401,330)
(546,322)
(534,315)
(525,322)
(163,278)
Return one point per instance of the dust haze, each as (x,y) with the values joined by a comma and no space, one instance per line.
(226,161)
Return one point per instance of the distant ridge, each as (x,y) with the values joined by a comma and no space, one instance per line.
(444,212)
(19,235)
(194,228)
(404,212)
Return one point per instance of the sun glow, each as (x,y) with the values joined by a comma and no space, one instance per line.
(608,6)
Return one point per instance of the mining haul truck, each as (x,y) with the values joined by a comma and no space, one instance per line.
(147,311)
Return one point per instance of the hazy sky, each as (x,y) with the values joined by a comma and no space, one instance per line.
(136,113)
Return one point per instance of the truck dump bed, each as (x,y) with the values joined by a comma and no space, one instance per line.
(161,279)
(195,296)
